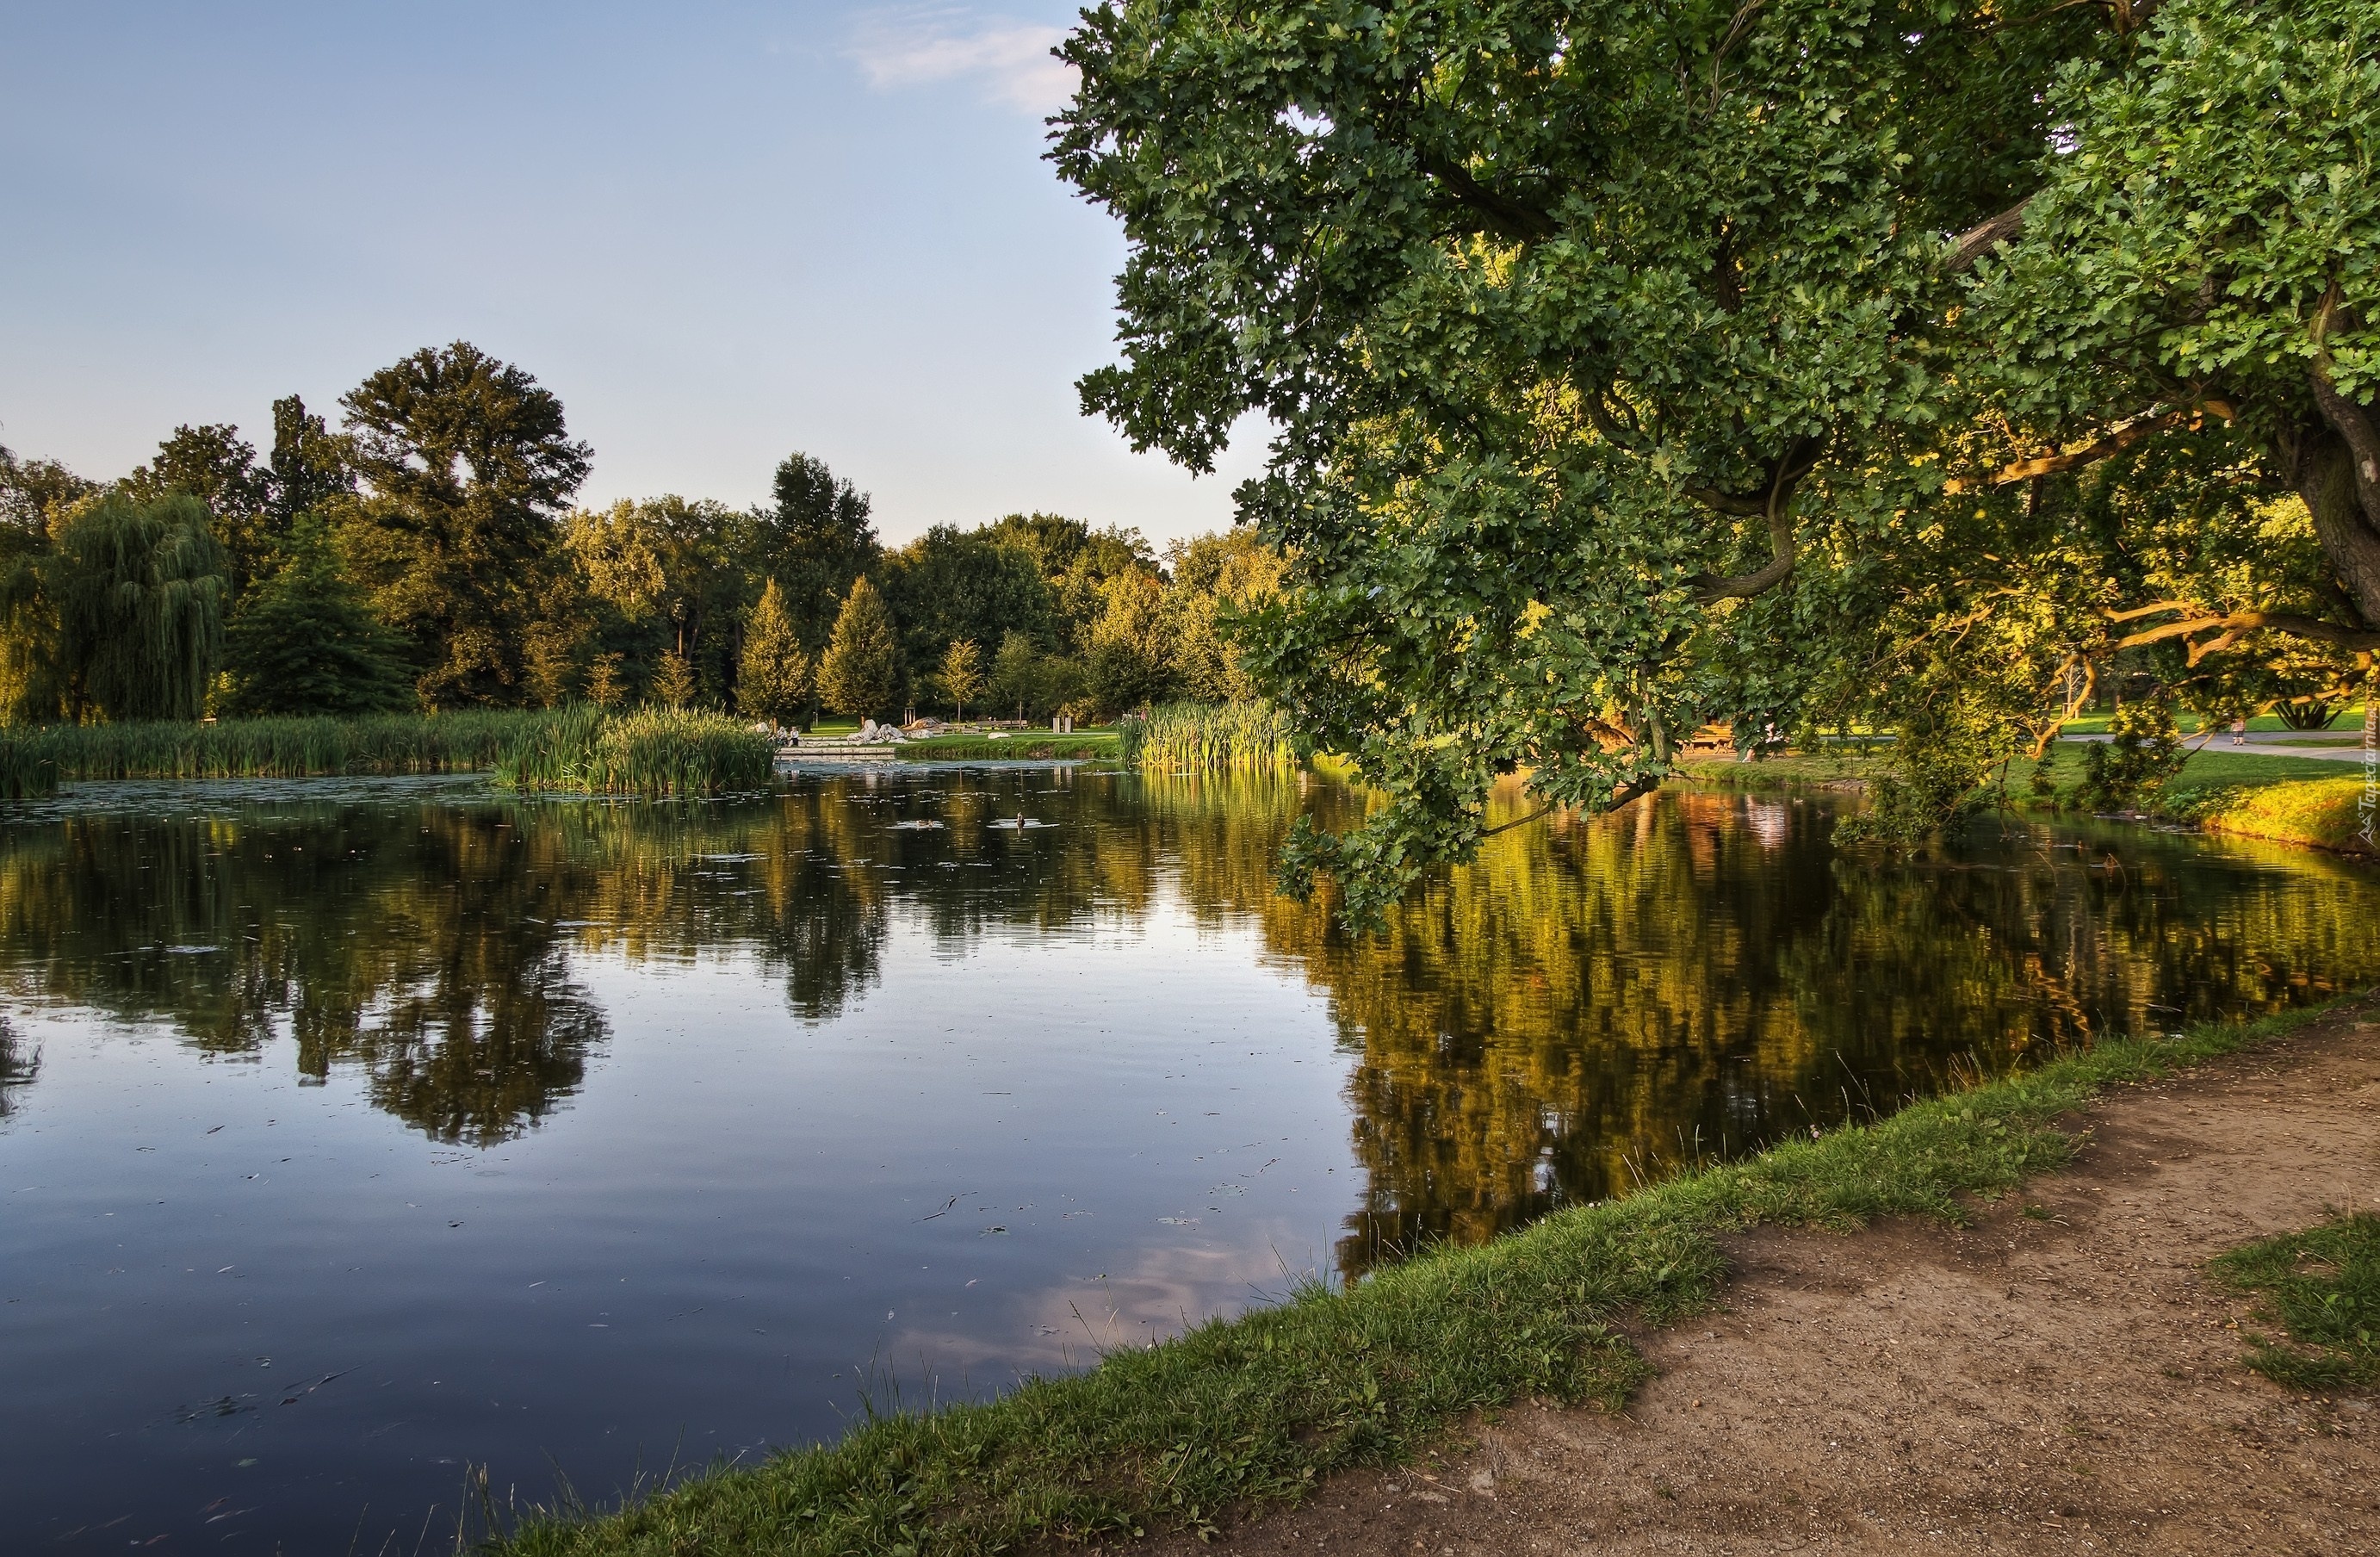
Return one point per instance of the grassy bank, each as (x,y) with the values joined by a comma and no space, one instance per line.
(1791,768)
(32,762)
(1243,1412)
(1024,746)
(2287,799)
(2328,813)
(653,752)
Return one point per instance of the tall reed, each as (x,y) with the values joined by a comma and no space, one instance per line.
(34,761)
(653,752)
(29,764)
(1234,737)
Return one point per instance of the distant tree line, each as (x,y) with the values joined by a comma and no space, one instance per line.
(427,555)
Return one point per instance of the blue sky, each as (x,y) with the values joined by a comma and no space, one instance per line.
(719,232)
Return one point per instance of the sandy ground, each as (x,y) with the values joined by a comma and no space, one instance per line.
(2026,1385)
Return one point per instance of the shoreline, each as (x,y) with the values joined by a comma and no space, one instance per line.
(2306,804)
(1245,1416)
(2070,1371)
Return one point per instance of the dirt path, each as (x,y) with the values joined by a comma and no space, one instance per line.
(2069,1384)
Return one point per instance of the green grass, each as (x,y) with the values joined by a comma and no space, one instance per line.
(1256,1410)
(1209,737)
(655,752)
(2211,770)
(33,761)
(1021,746)
(2323,1287)
(2207,773)
(1793,768)
(2350,718)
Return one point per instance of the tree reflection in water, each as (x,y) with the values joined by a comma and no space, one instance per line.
(19,1063)
(1591,1003)
(1596,1001)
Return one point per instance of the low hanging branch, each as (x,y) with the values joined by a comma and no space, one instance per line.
(2230,626)
(2113,442)
(1777,506)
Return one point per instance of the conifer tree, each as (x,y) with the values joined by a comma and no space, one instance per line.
(776,679)
(861,673)
(304,642)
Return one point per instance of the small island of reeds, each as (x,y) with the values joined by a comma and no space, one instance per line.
(654,753)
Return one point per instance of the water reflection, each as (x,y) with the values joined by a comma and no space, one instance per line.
(19,1063)
(1591,1000)
(1594,1001)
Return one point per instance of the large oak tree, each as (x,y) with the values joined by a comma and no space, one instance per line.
(1633,365)
(467,466)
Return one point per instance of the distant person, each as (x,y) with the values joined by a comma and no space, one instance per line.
(2240,731)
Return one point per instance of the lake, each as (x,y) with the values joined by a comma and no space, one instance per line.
(360,1135)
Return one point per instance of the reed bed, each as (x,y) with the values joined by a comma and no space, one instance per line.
(1205,737)
(29,764)
(34,762)
(653,752)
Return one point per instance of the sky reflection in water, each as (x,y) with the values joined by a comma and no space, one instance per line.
(353,1134)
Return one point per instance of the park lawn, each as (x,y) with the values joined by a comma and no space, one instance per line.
(2205,773)
(2224,769)
(835,729)
(1791,768)
(1099,742)
(2349,718)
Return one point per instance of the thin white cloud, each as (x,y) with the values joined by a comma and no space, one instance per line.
(1008,60)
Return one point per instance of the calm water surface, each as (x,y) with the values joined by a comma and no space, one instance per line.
(354,1134)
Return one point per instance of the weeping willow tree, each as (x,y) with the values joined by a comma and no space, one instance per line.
(138,588)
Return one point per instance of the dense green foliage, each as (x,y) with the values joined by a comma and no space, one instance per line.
(139,590)
(1240,1413)
(304,642)
(29,764)
(962,673)
(429,542)
(953,585)
(813,541)
(2322,1286)
(1635,366)
(465,464)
